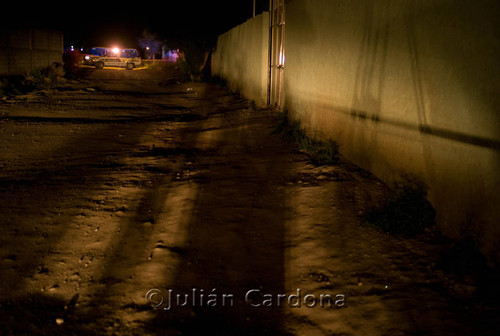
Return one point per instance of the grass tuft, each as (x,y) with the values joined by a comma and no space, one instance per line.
(407,212)
(320,152)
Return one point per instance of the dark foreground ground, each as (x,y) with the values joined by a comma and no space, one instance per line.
(133,208)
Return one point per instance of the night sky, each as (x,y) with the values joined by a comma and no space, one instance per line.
(87,23)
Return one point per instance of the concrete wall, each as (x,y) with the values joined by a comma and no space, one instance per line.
(26,50)
(242,58)
(407,87)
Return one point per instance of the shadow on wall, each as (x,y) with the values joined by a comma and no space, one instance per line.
(370,72)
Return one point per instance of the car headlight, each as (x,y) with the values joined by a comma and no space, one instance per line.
(87,57)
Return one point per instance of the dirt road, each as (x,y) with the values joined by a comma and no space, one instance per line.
(133,208)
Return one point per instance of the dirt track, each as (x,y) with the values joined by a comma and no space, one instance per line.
(114,185)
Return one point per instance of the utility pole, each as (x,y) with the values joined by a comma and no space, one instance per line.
(253,8)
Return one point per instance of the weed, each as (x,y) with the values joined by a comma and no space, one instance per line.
(40,79)
(321,152)
(407,212)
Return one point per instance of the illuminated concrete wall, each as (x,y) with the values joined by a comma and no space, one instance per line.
(26,50)
(241,58)
(407,87)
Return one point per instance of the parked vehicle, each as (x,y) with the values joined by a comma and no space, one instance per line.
(125,58)
(93,52)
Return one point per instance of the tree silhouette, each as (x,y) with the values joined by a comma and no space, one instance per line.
(149,43)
